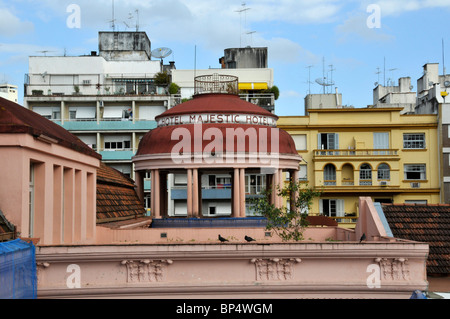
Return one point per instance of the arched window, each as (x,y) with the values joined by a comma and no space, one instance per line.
(329,175)
(365,175)
(384,172)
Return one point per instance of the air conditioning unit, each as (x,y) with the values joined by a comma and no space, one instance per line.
(415,185)
(383,183)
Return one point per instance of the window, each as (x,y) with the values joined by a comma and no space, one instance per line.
(119,142)
(380,142)
(328,141)
(384,172)
(300,142)
(31,201)
(332,207)
(329,175)
(303,173)
(255,184)
(365,175)
(420,202)
(414,141)
(415,172)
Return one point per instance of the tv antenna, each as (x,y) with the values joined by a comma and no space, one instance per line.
(251,37)
(309,78)
(161,53)
(44,52)
(243,10)
(113,21)
(324,81)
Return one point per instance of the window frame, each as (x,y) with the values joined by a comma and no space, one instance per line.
(412,142)
(423,171)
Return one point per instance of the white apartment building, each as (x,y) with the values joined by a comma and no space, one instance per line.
(108,99)
(9,92)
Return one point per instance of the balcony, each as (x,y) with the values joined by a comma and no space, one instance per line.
(117,155)
(264,100)
(107,125)
(353,153)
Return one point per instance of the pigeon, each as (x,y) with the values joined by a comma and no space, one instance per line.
(249,239)
(363,237)
(222,239)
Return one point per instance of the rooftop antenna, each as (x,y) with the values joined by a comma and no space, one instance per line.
(443,57)
(137,20)
(244,9)
(251,37)
(323,81)
(309,78)
(378,73)
(331,71)
(113,21)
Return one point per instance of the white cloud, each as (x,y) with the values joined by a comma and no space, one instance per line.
(396,7)
(357,25)
(11,25)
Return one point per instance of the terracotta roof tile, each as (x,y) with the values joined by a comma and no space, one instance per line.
(424,223)
(14,118)
(116,197)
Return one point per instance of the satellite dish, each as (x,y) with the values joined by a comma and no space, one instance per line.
(161,53)
(447,84)
(323,82)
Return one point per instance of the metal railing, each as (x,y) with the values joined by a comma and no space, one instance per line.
(354,152)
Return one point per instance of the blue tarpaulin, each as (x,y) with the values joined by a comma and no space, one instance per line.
(18,278)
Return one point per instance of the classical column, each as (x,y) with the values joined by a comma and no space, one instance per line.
(295,178)
(242,192)
(195,191)
(236,196)
(157,195)
(189,193)
(152,193)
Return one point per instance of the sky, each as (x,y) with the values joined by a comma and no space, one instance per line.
(354,44)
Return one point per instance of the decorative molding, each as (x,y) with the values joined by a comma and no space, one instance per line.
(394,269)
(274,269)
(39,267)
(146,270)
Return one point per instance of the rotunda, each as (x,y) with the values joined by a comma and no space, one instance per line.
(214,134)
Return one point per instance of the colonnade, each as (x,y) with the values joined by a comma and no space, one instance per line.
(159,191)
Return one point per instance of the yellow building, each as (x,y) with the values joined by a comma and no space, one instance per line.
(376,152)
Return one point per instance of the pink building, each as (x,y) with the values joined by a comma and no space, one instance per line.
(48,179)
(80,257)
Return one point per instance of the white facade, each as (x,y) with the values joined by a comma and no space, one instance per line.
(9,92)
(248,78)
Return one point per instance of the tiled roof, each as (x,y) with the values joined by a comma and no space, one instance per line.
(116,197)
(14,118)
(6,228)
(424,223)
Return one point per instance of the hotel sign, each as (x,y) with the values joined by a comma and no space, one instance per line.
(218,118)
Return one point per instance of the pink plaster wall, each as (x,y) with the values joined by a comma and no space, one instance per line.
(53,164)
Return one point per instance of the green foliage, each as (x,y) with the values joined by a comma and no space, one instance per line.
(174,88)
(276,92)
(288,223)
(162,78)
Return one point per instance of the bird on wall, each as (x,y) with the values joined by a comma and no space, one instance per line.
(222,239)
(249,239)
(363,237)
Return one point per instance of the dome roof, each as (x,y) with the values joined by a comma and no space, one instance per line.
(216,103)
(243,126)
(253,138)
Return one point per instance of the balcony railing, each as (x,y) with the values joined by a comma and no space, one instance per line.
(354,152)
(264,100)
